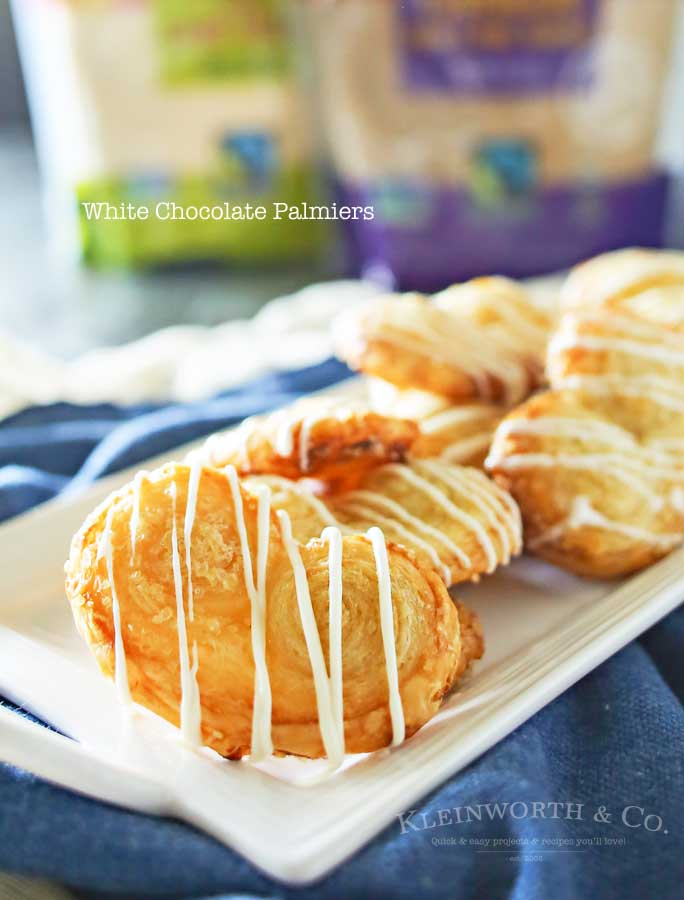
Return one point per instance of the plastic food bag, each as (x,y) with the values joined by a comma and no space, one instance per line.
(167,102)
(493,135)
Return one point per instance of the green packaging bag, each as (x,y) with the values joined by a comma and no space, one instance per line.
(143,107)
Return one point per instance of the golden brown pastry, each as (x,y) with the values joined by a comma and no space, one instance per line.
(319,437)
(481,340)
(459,434)
(192,593)
(648,283)
(621,356)
(622,333)
(408,403)
(455,519)
(600,484)
(596,463)
(472,638)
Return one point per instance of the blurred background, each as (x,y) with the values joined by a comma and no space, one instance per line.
(487,137)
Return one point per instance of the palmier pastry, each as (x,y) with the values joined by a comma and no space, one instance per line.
(460,434)
(318,437)
(404,403)
(600,484)
(192,593)
(481,340)
(453,518)
(622,334)
(648,283)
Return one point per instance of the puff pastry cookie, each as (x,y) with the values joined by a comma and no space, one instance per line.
(481,340)
(596,464)
(648,283)
(192,593)
(460,434)
(454,518)
(317,437)
(598,495)
(628,343)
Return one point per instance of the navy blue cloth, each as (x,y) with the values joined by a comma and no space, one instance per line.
(596,779)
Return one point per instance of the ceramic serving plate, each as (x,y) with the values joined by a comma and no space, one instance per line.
(544,630)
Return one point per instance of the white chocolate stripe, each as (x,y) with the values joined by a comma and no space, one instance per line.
(261,745)
(190,510)
(388,637)
(611,464)
(326,718)
(665,392)
(567,427)
(467,353)
(440,498)
(467,447)
(458,415)
(464,483)
(583,514)
(637,457)
(334,538)
(190,706)
(648,332)
(371,515)
(396,510)
(277,481)
(566,340)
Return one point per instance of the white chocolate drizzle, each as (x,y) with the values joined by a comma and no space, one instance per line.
(261,712)
(442,500)
(388,637)
(465,483)
(398,512)
(639,458)
(467,354)
(501,350)
(583,514)
(290,419)
(366,512)
(324,702)
(334,538)
(633,473)
(328,686)
(190,706)
(462,450)
(665,392)
(581,429)
(277,482)
(457,415)
(190,511)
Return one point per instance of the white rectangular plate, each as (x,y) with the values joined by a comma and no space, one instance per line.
(544,630)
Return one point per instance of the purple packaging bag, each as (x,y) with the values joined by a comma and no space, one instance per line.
(493,135)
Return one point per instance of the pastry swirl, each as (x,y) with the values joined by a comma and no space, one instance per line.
(481,340)
(595,464)
(319,437)
(453,518)
(192,593)
(455,433)
(598,496)
(458,434)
